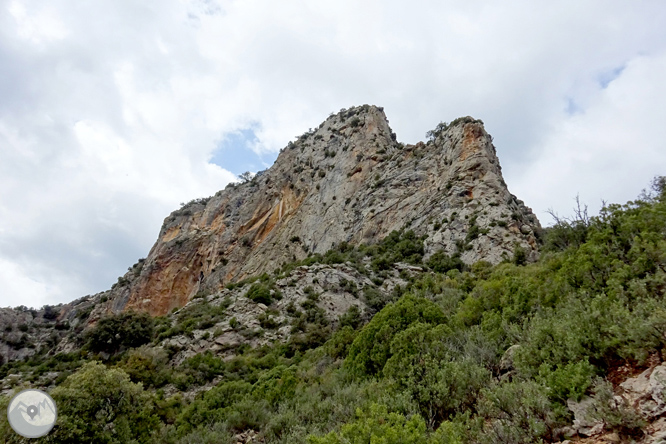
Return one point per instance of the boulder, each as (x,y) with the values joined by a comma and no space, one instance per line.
(645,392)
(582,425)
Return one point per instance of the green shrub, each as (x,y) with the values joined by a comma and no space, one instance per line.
(200,368)
(519,256)
(102,405)
(438,377)
(372,347)
(516,413)
(51,313)
(615,414)
(117,332)
(338,346)
(442,262)
(398,246)
(377,426)
(375,299)
(267,321)
(351,318)
(234,323)
(148,366)
(248,414)
(276,385)
(215,405)
(439,129)
(569,381)
(314,336)
(260,293)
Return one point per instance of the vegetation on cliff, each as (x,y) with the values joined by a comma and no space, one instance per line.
(480,354)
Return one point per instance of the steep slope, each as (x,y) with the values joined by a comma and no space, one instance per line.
(347,181)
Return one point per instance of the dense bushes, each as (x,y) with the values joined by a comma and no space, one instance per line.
(214,406)
(516,413)
(147,365)
(380,426)
(398,246)
(372,347)
(440,379)
(102,405)
(442,262)
(117,332)
(260,293)
(194,316)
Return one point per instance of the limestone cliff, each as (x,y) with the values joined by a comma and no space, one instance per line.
(348,180)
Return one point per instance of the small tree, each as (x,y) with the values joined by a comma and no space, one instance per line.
(519,255)
(260,293)
(118,332)
(439,129)
(245,177)
(568,231)
(101,405)
(442,262)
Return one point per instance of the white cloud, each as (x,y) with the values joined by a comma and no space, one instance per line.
(20,289)
(110,111)
(39,26)
(609,151)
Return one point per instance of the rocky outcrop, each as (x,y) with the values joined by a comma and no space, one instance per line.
(349,180)
(647,392)
(583,425)
(25,332)
(327,291)
(637,398)
(333,288)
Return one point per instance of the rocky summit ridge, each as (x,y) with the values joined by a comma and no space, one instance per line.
(349,180)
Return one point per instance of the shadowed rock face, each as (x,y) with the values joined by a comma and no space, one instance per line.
(348,180)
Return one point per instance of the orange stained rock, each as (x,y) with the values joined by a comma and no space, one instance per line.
(472,139)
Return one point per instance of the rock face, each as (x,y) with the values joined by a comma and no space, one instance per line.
(334,289)
(349,180)
(25,332)
(646,392)
(582,424)
(639,397)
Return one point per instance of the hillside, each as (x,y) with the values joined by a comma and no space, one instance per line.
(465,328)
(348,180)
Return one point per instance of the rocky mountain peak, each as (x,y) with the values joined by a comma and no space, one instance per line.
(349,180)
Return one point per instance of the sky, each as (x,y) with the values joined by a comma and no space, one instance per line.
(114,112)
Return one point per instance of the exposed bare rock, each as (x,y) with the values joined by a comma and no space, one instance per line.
(506,363)
(24,331)
(582,424)
(655,433)
(335,288)
(248,437)
(349,180)
(646,391)
(641,396)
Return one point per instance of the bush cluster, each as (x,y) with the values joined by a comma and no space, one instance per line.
(118,332)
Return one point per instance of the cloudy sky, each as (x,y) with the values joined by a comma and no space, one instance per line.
(113,112)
